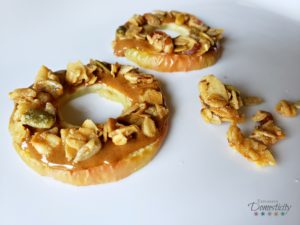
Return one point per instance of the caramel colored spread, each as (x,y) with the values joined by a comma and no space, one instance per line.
(143,121)
(120,46)
(109,154)
(146,33)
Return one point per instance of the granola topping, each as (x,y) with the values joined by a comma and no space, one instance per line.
(38,123)
(195,37)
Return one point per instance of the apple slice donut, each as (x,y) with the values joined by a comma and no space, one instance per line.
(91,153)
(142,40)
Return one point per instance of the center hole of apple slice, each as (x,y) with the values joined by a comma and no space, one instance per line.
(174,30)
(96,102)
(89,106)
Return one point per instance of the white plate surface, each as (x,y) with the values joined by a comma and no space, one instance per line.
(196,178)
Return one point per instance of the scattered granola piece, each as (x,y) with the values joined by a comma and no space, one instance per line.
(286,108)
(251,149)
(220,102)
(267,131)
(256,147)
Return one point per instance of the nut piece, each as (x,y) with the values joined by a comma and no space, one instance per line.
(135,108)
(114,69)
(90,125)
(22,94)
(212,85)
(46,74)
(38,118)
(209,117)
(195,22)
(267,132)
(235,99)
(228,114)
(262,116)
(44,97)
(249,148)
(72,141)
(50,86)
(161,111)
(161,41)
(216,100)
(134,114)
(81,143)
(103,66)
(215,33)
(125,69)
(42,74)
(148,127)
(157,110)
(47,81)
(152,19)
(152,96)
(180,18)
(88,150)
(133,31)
(108,127)
(137,20)
(76,73)
(45,142)
(134,77)
(186,45)
(121,135)
(286,108)
(49,108)
(119,139)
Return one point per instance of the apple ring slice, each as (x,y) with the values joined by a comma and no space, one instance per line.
(142,40)
(91,153)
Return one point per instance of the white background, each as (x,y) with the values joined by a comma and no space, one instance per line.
(195,178)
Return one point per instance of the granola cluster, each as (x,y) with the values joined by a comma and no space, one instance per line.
(36,120)
(195,36)
(221,102)
(256,147)
(287,108)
